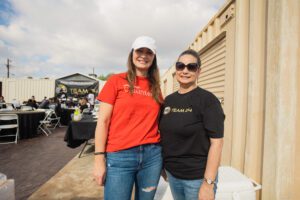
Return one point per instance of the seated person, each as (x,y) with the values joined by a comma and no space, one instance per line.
(91,98)
(83,104)
(44,104)
(35,104)
(30,103)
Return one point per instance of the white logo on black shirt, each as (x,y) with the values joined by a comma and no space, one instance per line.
(167,110)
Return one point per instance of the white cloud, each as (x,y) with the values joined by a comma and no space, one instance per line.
(59,37)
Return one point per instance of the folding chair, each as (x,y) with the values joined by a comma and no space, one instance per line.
(54,120)
(9,121)
(46,123)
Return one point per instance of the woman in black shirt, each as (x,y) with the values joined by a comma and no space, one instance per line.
(191,127)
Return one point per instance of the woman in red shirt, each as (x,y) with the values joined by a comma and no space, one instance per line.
(127,152)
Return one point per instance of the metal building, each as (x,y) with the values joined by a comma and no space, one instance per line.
(250,54)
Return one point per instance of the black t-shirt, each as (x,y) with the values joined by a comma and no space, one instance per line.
(187,123)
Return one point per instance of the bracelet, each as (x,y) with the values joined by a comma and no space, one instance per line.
(100,153)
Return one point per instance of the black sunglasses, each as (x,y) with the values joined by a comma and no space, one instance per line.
(193,67)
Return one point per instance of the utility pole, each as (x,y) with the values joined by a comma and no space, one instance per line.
(8,66)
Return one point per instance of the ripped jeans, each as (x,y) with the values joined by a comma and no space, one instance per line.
(139,166)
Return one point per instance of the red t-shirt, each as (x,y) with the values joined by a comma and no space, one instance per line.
(134,117)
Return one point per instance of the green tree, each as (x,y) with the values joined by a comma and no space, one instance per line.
(105,77)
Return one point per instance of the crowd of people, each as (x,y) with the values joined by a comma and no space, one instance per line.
(56,103)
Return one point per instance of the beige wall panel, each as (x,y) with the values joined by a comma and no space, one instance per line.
(214,85)
(215,71)
(216,79)
(241,84)
(296,191)
(11,90)
(209,76)
(256,90)
(282,90)
(217,61)
(218,48)
(228,92)
(216,76)
(22,89)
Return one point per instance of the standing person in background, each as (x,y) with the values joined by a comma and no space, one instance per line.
(127,150)
(191,127)
(62,96)
(91,99)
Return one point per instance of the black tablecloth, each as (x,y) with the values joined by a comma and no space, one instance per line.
(80,131)
(65,115)
(28,123)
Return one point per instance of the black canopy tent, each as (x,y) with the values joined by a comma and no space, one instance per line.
(76,85)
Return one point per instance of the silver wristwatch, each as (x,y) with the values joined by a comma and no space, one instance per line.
(209,181)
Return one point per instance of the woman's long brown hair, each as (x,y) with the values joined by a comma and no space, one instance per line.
(152,75)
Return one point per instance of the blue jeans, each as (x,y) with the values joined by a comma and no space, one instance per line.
(185,189)
(139,166)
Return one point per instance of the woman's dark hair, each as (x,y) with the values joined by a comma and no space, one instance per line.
(153,77)
(192,53)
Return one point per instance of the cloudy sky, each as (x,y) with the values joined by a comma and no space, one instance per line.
(54,38)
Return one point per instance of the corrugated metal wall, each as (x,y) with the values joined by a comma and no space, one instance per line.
(212,76)
(245,61)
(23,89)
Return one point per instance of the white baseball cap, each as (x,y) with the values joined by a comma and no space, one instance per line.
(144,42)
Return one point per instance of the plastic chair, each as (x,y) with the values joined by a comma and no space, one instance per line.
(10,121)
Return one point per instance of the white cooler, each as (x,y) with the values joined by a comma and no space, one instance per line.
(233,185)
(7,188)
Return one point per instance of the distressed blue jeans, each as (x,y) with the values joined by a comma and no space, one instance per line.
(139,166)
(185,189)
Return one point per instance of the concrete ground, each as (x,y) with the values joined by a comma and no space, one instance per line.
(75,182)
(44,168)
(34,161)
